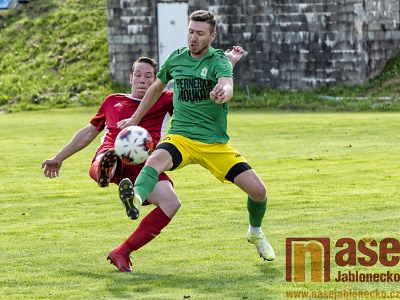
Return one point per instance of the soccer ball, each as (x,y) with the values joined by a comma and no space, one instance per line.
(133,145)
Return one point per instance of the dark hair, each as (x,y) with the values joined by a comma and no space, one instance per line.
(147,60)
(204,16)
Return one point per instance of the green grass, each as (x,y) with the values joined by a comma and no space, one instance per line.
(54,53)
(328,174)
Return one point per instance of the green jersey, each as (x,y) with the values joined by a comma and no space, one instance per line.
(196,116)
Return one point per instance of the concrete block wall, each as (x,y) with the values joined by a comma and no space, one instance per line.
(292,44)
(132,32)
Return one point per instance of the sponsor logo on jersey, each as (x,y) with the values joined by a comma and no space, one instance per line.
(193,89)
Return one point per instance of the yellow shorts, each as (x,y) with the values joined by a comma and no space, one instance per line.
(222,160)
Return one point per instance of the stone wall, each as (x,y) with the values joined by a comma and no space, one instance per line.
(291,44)
(132,32)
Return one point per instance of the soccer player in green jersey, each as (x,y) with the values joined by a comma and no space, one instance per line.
(203,86)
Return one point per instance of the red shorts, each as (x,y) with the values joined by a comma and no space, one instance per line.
(124,171)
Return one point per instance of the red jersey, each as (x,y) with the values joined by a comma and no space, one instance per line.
(117,107)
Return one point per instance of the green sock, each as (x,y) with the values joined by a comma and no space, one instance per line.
(146,182)
(256,211)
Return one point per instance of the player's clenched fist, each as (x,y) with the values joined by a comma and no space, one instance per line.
(218,94)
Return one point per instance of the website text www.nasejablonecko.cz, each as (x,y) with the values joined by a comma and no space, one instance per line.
(343,294)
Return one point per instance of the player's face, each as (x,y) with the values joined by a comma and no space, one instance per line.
(141,79)
(199,38)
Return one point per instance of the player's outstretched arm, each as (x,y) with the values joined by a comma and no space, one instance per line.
(152,94)
(51,167)
(235,54)
(223,91)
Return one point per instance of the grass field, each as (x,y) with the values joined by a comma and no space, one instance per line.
(333,175)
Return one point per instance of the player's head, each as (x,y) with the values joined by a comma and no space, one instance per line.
(201,32)
(143,75)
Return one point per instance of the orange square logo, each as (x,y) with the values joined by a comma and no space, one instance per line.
(312,254)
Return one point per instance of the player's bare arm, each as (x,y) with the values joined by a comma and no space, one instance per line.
(235,54)
(152,94)
(223,91)
(81,139)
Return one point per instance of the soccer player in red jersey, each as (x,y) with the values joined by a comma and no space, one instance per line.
(106,167)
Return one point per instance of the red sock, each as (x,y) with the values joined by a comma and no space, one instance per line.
(148,229)
(94,170)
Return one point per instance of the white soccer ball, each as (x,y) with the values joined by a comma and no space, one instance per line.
(133,145)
